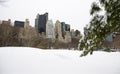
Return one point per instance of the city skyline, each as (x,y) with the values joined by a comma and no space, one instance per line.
(45,28)
(73,12)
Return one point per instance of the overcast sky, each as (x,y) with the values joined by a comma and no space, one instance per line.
(73,12)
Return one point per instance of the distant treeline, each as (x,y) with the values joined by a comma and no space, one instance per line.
(28,37)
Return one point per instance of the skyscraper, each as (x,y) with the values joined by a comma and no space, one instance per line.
(40,22)
(67,27)
(26,23)
(58,31)
(19,24)
(50,33)
(63,25)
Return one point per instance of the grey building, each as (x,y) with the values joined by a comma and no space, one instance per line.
(40,23)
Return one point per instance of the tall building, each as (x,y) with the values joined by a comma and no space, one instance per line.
(67,27)
(68,37)
(77,32)
(64,28)
(19,24)
(72,33)
(27,23)
(58,31)
(40,23)
(63,25)
(50,33)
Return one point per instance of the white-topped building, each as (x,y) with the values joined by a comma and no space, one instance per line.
(50,33)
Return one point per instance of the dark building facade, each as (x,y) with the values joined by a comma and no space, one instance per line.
(40,23)
(77,32)
(65,27)
(19,24)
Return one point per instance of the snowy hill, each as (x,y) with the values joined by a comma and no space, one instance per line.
(23,60)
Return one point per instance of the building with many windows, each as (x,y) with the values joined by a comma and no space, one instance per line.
(40,23)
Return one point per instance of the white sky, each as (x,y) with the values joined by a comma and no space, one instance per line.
(73,12)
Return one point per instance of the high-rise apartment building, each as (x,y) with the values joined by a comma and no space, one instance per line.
(65,27)
(50,32)
(40,23)
(27,23)
(58,31)
(19,24)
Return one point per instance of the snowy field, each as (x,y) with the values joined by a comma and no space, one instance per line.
(23,60)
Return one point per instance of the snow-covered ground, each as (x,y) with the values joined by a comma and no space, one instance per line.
(23,60)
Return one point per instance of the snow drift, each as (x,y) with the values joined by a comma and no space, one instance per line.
(23,60)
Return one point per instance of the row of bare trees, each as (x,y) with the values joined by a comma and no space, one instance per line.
(9,35)
(16,36)
(28,37)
